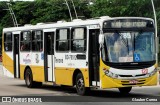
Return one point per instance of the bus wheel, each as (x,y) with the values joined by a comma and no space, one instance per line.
(29,78)
(80,86)
(125,90)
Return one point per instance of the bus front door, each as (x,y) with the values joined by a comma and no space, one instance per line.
(16,56)
(49,56)
(94,57)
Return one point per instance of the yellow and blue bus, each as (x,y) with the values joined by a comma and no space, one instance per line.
(99,53)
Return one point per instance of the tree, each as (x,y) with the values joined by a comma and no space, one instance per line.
(55,10)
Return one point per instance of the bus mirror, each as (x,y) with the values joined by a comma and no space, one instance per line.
(101,39)
(157,44)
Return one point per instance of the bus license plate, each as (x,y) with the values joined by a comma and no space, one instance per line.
(133,81)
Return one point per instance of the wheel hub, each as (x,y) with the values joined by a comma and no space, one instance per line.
(80,84)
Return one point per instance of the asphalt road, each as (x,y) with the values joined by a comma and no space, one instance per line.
(67,96)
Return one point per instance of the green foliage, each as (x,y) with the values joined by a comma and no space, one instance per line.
(54,10)
(116,8)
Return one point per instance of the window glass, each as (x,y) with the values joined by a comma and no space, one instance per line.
(8,46)
(78,41)
(62,45)
(26,36)
(78,45)
(62,40)
(78,33)
(37,41)
(25,44)
(8,42)
(63,34)
(8,37)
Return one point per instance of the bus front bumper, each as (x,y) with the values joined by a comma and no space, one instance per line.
(108,82)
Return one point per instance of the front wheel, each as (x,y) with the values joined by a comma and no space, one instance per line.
(80,86)
(125,90)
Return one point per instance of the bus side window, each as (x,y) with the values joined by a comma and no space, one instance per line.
(37,40)
(8,41)
(62,40)
(25,44)
(78,39)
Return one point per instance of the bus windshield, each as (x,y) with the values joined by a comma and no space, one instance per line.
(130,46)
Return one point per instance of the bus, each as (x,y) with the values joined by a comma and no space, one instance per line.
(101,53)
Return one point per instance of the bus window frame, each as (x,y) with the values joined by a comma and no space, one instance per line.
(9,41)
(68,39)
(41,40)
(85,39)
(30,42)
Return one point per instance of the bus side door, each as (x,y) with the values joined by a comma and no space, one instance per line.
(16,63)
(49,56)
(94,57)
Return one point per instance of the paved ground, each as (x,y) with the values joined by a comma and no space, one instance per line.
(16,87)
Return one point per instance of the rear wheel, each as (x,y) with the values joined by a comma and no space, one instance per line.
(29,80)
(125,90)
(80,86)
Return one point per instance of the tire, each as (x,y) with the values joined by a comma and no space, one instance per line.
(125,90)
(29,80)
(80,86)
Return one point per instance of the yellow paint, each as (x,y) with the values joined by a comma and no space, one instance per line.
(37,71)
(107,82)
(156,65)
(64,76)
(7,62)
(85,73)
(22,68)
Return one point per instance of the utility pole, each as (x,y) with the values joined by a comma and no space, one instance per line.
(74,9)
(157,40)
(155,17)
(69,9)
(12,14)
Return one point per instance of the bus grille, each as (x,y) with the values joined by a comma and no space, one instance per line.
(127,82)
(132,75)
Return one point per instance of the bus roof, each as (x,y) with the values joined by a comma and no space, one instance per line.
(74,23)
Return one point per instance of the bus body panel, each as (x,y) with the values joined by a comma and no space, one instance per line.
(108,82)
(66,64)
(8,64)
(38,72)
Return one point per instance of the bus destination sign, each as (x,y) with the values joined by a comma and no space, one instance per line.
(128,23)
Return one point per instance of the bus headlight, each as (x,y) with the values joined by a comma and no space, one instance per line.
(152,73)
(110,74)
